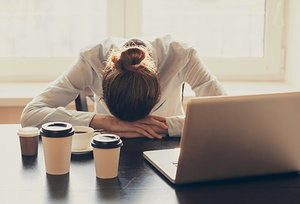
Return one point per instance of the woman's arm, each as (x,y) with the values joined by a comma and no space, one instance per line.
(151,126)
(202,83)
(49,105)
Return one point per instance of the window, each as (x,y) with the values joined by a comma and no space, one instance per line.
(41,28)
(238,39)
(40,37)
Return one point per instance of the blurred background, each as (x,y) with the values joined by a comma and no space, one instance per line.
(251,46)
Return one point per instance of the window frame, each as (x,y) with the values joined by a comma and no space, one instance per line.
(270,67)
(124,19)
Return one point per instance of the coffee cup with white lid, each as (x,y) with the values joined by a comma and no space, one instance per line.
(57,143)
(29,139)
(106,150)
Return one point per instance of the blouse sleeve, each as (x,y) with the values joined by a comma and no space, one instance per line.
(49,105)
(202,82)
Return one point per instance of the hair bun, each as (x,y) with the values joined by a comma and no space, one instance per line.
(131,58)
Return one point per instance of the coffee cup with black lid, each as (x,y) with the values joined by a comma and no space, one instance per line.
(106,150)
(29,139)
(57,144)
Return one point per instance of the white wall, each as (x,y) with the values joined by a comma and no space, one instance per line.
(293,43)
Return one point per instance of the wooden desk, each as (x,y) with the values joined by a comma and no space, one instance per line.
(23,180)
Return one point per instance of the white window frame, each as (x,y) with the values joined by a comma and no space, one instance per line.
(124,20)
(270,67)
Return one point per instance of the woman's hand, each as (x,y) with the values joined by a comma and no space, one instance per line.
(149,127)
(157,129)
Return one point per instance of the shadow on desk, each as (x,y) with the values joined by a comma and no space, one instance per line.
(248,190)
(109,189)
(82,158)
(29,162)
(58,186)
(279,188)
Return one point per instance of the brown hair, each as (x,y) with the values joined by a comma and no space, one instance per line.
(130,83)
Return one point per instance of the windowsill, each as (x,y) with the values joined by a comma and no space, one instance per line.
(247,88)
(19,94)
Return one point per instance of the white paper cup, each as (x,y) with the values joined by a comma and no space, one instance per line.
(106,150)
(82,138)
(57,143)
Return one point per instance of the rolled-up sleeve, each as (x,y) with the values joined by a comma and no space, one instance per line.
(202,82)
(49,105)
(175,125)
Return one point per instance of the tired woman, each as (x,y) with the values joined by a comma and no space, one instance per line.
(137,86)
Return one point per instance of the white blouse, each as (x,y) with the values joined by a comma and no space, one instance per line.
(176,62)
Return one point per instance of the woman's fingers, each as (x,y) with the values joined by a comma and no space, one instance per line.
(159,118)
(136,127)
(149,131)
(138,130)
(126,134)
(145,127)
(144,132)
(155,120)
(149,126)
(159,130)
(137,133)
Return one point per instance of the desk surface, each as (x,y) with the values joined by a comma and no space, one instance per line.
(23,180)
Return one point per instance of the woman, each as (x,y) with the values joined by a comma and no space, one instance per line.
(137,87)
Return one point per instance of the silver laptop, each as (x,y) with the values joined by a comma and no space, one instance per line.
(234,136)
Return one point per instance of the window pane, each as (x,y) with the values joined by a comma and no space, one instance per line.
(217,28)
(50,28)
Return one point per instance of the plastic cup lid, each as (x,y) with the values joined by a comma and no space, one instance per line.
(106,141)
(28,131)
(57,129)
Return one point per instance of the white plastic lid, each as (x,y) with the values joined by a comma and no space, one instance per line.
(28,131)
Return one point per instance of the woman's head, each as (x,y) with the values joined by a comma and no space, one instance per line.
(130,83)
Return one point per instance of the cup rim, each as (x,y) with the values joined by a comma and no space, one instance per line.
(62,129)
(28,132)
(115,141)
(83,128)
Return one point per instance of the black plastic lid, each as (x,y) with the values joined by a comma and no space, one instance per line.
(106,141)
(57,129)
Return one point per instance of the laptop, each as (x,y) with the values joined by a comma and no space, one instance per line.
(234,136)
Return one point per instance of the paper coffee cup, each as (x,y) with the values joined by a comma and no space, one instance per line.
(29,139)
(57,143)
(82,137)
(106,150)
